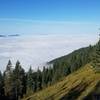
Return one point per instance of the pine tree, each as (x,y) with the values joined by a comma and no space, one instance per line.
(30,80)
(1,85)
(44,77)
(49,76)
(39,79)
(23,81)
(9,65)
(19,76)
(34,81)
(8,81)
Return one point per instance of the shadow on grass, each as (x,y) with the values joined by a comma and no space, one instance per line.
(75,92)
(94,95)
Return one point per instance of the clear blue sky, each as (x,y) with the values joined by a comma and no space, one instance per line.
(42,16)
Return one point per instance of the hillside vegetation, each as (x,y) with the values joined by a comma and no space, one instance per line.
(15,83)
(83,84)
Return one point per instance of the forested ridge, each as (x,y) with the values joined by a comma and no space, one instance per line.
(83,84)
(15,83)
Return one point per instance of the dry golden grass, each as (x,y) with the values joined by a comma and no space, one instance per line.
(75,86)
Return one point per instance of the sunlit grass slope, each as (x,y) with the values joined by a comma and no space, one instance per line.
(77,86)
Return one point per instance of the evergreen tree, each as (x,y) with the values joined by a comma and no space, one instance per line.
(34,81)
(30,80)
(8,81)
(19,79)
(9,65)
(1,85)
(44,77)
(66,70)
(23,81)
(49,76)
(39,79)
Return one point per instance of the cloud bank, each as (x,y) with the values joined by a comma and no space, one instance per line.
(38,49)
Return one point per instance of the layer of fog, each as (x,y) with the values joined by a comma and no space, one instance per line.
(38,49)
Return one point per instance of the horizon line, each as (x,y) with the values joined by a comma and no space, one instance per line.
(48,21)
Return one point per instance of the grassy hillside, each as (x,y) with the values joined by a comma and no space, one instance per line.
(79,85)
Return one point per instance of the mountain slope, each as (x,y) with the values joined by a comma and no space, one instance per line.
(69,63)
(79,85)
(86,51)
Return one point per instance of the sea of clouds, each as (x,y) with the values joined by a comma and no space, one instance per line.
(36,50)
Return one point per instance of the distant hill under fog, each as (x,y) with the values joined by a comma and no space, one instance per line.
(11,35)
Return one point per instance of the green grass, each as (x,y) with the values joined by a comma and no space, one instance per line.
(76,86)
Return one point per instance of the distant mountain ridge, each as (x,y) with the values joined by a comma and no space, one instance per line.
(10,35)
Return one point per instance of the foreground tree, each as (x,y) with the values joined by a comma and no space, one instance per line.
(19,81)
(39,79)
(29,80)
(1,85)
(8,81)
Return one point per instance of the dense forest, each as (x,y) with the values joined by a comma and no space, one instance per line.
(15,83)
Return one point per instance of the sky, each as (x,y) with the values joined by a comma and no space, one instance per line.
(49,16)
(48,29)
